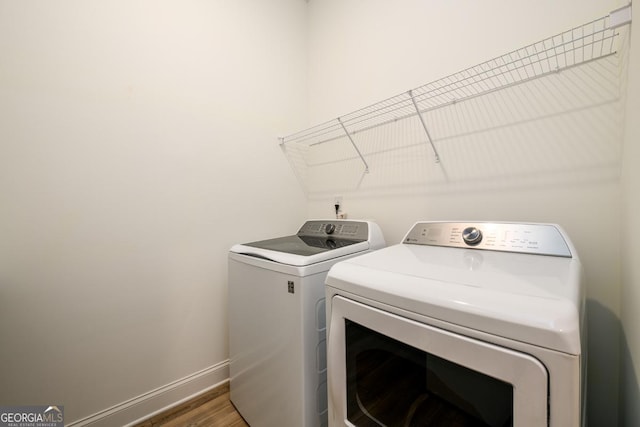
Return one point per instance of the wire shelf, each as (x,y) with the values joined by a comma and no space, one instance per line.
(588,42)
(570,75)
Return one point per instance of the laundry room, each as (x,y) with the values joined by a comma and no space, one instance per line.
(141,140)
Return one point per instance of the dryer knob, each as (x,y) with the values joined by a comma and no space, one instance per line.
(471,236)
(329,228)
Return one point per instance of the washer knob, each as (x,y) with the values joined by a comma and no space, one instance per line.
(471,236)
(329,228)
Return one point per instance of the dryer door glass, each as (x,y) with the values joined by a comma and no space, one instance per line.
(388,370)
(391,383)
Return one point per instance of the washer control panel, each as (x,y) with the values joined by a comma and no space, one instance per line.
(539,239)
(338,229)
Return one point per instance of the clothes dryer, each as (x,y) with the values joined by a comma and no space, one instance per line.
(277,320)
(463,323)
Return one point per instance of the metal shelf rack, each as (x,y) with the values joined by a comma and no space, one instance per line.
(585,43)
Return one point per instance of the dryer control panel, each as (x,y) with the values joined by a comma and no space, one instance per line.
(538,239)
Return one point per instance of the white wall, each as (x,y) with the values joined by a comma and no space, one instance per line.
(366,51)
(630,311)
(138,141)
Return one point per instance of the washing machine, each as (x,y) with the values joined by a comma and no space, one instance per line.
(461,324)
(277,320)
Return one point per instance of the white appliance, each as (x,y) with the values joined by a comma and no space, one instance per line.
(277,320)
(460,324)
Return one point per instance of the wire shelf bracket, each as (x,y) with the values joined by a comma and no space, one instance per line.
(366,165)
(424,126)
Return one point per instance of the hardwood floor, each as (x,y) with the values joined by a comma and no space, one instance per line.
(211,409)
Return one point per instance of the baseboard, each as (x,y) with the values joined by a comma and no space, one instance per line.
(155,401)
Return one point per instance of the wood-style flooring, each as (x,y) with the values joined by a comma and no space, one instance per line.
(211,409)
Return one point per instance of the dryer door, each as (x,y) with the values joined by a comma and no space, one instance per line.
(386,370)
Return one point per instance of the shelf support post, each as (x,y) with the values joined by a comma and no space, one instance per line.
(366,166)
(424,126)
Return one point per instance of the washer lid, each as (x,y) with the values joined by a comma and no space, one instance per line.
(302,245)
(316,241)
(529,298)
